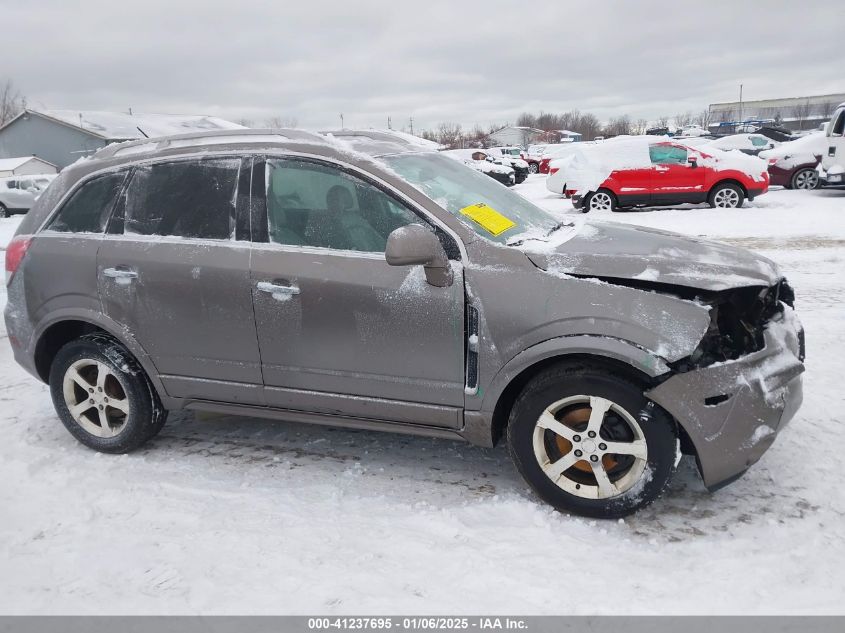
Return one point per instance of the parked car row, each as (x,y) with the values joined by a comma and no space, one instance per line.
(415,295)
(501,167)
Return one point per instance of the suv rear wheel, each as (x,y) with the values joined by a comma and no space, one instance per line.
(601,200)
(102,395)
(805,179)
(726,196)
(4,212)
(589,442)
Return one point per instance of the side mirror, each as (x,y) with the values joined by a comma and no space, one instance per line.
(693,161)
(415,245)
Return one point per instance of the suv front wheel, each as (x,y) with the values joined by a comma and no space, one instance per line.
(102,395)
(589,442)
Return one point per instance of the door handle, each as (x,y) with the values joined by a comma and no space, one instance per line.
(119,273)
(278,291)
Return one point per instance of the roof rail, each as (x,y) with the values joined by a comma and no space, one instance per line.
(212,137)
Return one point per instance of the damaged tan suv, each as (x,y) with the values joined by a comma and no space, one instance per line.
(358,279)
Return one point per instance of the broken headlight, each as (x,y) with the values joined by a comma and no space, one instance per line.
(737,320)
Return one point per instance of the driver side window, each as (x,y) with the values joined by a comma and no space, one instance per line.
(311,204)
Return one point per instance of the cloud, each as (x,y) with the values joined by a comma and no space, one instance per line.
(467,62)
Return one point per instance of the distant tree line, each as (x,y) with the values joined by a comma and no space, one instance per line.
(12,102)
(586,124)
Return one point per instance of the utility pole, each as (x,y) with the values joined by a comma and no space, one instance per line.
(388,123)
(412,126)
(341,120)
(740,103)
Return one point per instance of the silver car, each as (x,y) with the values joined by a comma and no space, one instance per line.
(356,279)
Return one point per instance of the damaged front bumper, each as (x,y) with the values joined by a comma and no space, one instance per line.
(732,411)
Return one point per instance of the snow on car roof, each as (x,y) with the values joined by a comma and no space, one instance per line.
(125,126)
(813,144)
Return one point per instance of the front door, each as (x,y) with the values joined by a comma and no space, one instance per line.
(675,179)
(341,331)
(172,272)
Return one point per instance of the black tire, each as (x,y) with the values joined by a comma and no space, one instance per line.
(533,168)
(805,178)
(656,427)
(145,417)
(720,190)
(4,212)
(604,195)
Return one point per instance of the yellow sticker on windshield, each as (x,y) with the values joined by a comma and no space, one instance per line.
(489,219)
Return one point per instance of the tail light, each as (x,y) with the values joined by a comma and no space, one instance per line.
(15,252)
(553,170)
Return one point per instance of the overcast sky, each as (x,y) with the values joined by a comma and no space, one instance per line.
(461,61)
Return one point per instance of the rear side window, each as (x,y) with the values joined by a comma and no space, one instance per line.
(194,199)
(667,155)
(759,141)
(89,207)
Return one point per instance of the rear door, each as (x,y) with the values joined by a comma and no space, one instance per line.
(173,269)
(341,331)
(676,180)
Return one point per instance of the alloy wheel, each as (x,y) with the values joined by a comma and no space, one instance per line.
(95,398)
(726,198)
(591,447)
(806,179)
(601,201)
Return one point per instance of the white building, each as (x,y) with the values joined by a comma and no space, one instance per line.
(795,113)
(25,166)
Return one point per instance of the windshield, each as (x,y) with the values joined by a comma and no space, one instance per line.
(489,208)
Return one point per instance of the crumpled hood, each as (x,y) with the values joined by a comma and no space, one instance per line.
(611,250)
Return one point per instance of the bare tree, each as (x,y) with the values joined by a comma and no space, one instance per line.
(662,121)
(801,111)
(639,127)
(12,103)
(450,135)
(281,122)
(704,118)
(618,126)
(825,110)
(684,119)
(245,122)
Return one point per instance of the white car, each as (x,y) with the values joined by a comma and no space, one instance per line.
(560,157)
(691,131)
(18,193)
(832,168)
(751,144)
(479,160)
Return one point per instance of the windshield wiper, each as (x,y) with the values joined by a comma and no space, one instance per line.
(519,240)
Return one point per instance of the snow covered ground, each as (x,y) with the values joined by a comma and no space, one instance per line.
(226,515)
